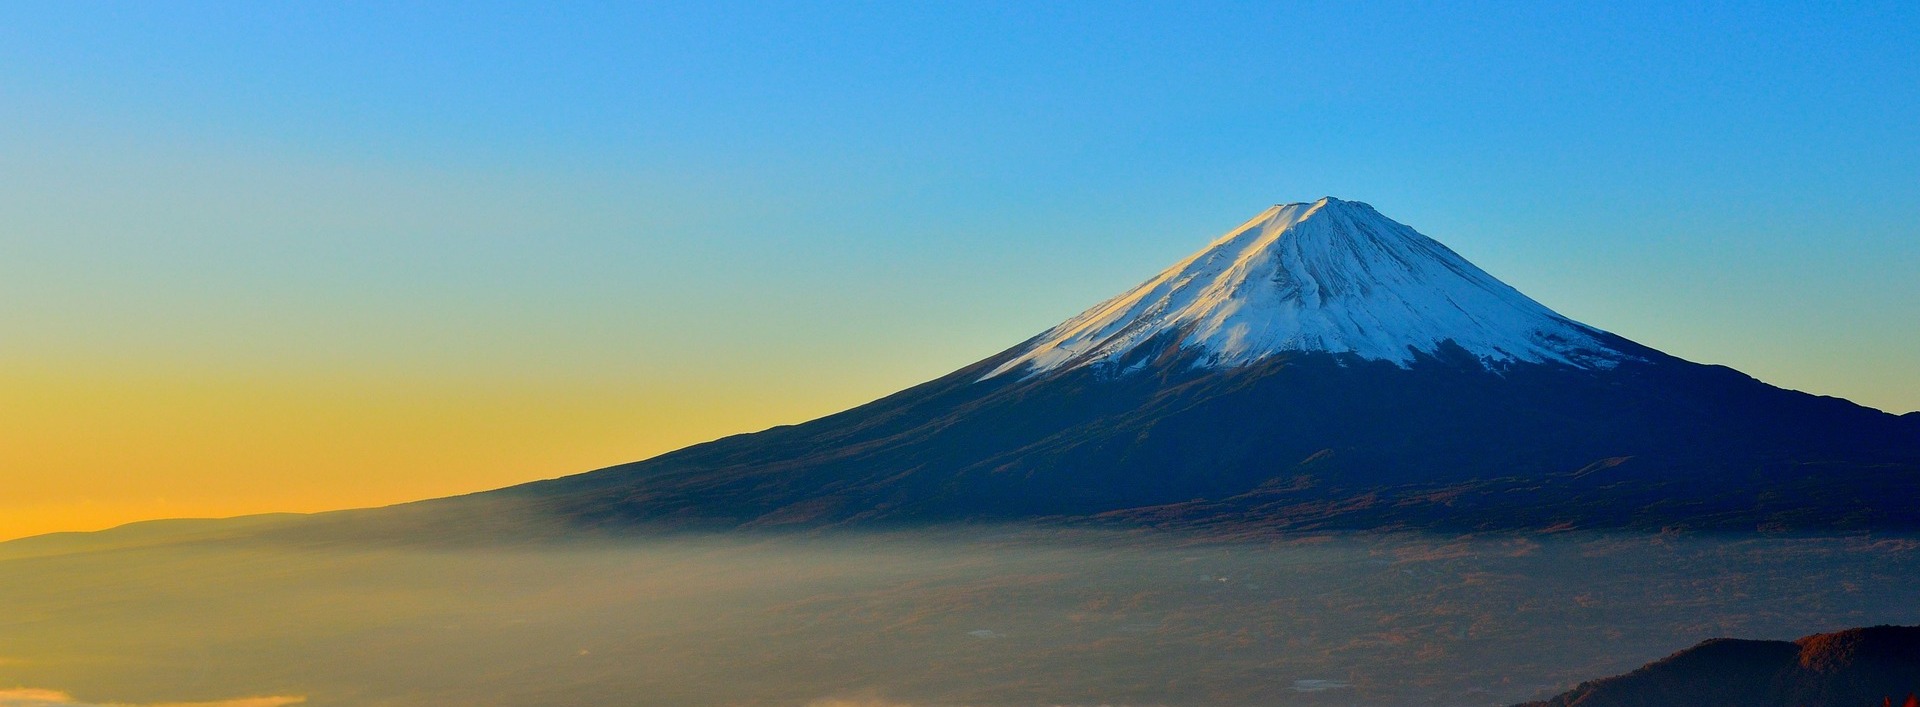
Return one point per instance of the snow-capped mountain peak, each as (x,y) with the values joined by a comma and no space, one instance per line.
(1330,276)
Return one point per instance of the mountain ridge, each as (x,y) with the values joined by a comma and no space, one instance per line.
(1127,451)
(1150,422)
(1865,667)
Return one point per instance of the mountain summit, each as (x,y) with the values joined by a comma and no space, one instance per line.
(1331,276)
(1319,367)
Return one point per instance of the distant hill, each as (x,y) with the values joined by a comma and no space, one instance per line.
(1863,667)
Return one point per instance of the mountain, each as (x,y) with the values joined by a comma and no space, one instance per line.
(1321,366)
(1863,667)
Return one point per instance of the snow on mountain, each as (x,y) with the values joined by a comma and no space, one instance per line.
(1332,276)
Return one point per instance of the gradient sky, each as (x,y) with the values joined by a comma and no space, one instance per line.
(260,257)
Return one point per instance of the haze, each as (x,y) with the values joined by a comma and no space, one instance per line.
(264,610)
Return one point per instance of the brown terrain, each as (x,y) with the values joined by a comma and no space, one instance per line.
(1863,666)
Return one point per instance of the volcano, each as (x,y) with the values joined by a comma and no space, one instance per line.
(1319,367)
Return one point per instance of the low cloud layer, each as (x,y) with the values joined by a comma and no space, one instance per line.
(29,697)
(911,619)
(856,701)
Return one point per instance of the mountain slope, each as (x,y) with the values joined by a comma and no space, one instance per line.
(1863,667)
(1320,367)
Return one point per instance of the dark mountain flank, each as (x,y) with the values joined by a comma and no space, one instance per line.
(1320,367)
(1863,667)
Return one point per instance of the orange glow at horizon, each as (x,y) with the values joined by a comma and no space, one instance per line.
(99,450)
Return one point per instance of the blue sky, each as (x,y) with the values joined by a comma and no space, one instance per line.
(797,207)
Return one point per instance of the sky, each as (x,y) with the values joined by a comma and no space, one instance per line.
(264,257)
